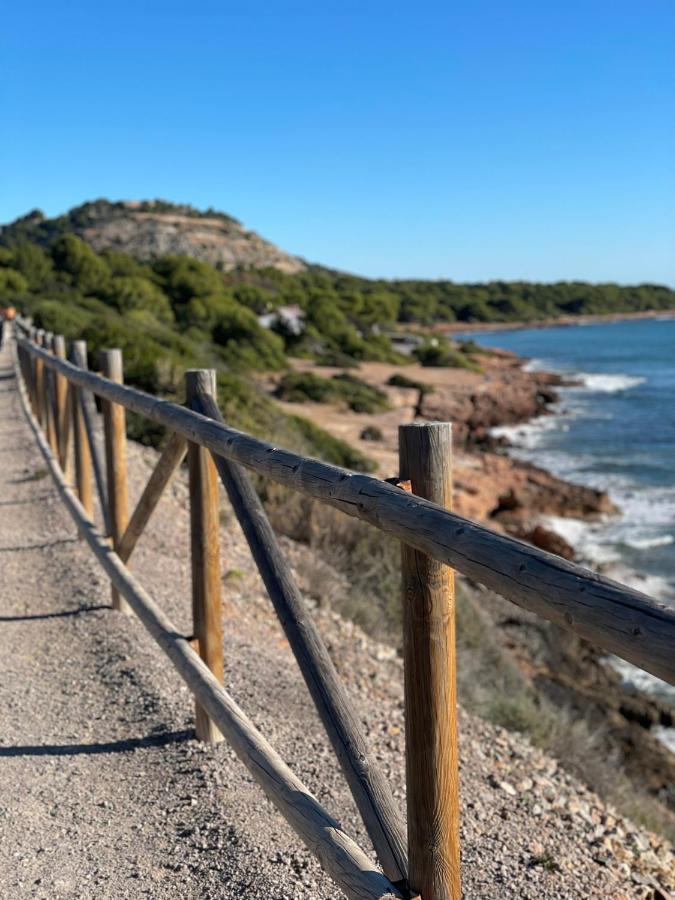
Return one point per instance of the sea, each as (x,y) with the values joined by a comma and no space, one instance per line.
(614,429)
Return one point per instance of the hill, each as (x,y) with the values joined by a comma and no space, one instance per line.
(149,229)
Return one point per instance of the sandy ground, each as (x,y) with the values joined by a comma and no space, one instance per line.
(104,793)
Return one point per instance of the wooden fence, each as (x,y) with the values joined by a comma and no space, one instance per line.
(424,859)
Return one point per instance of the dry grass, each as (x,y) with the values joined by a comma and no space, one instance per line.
(490,684)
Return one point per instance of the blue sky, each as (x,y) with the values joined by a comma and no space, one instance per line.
(469,140)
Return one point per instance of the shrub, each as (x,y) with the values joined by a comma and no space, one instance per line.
(372,433)
(440,354)
(76,259)
(245,342)
(402,381)
(12,282)
(299,387)
(133,292)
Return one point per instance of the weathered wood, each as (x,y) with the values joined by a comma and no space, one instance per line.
(205,554)
(365,778)
(50,397)
(432,760)
(171,458)
(88,412)
(63,420)
(114,427)
(39,378)
(27,333)
(83,473)
(344,861)
(616,618)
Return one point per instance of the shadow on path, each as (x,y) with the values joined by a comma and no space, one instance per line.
(36,499)
(39,546)
(124,746)
(55,615)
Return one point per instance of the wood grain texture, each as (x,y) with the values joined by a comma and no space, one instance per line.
(344,861)
(50,397)
(616,618)
(205,554)
(63,420)
(171,458)
(432,759)
(366,780)
(88,415)
(39,378)
(83,468)
(114,427)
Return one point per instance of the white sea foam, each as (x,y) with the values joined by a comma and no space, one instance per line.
(639,680)
(654,585)
(586,537)
(529,434)
(662,540)
(608,384)
(665,735)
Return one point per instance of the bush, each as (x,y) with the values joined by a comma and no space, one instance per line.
(246,407)
(12,283)
(402,381)
(300,387)
(245,343)
(439,354)
(73,257)
(133,292)
(372,433)
(337,360)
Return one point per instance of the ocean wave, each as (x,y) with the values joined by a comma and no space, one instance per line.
(599,546)
(608,384)
(639,680)
(587,538)
(665,735)
(662,540)
(528,435)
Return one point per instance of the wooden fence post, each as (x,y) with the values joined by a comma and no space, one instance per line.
(83,469)
(63,422)
(114,423)
(40,401)
(205,552)
(432,765)
(88,413)
(50,399)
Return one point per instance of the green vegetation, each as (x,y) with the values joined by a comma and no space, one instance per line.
(352,392)
(178,312)
(388,304)
(402,381)
(166,317)
(439,353)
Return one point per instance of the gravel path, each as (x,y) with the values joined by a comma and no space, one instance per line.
(105,794)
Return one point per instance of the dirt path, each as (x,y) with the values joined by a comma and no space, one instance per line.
(105,794)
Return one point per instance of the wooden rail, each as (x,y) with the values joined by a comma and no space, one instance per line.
(339,855)
(616,618)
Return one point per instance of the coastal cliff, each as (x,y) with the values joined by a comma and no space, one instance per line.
(563,677)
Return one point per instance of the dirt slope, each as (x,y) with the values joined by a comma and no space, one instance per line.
(150,229)
(103,792)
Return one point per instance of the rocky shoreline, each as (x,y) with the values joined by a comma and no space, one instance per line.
(510,494)
(517,497)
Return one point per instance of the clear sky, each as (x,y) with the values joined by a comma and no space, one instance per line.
(469,140)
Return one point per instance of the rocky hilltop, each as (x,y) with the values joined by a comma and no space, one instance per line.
(148,229)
